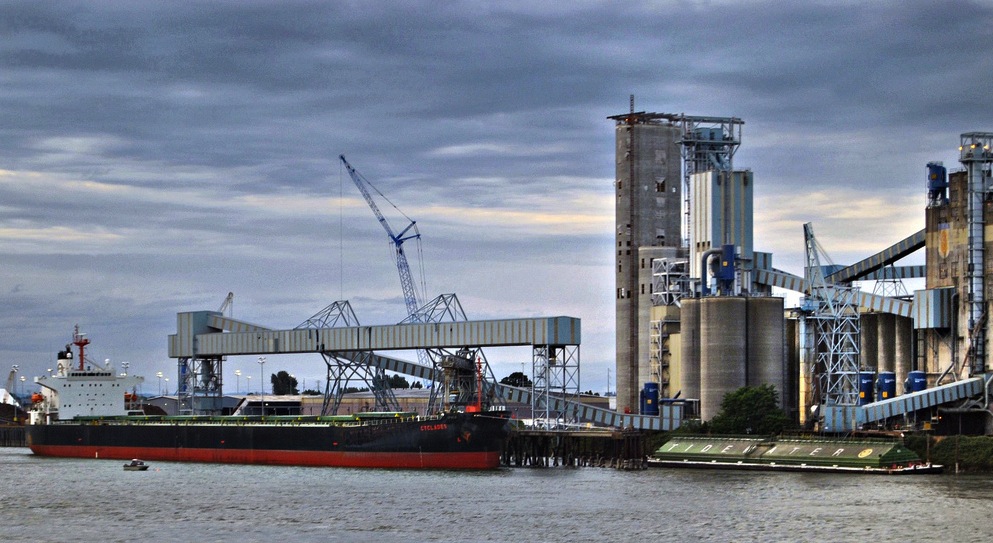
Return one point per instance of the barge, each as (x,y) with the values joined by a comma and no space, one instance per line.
(822,455)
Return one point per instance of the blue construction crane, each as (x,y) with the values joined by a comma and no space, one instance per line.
(409,232)
(444,306)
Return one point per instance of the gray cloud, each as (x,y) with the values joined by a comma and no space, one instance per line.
(154,157)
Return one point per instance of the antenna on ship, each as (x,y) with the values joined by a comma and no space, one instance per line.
(80,341)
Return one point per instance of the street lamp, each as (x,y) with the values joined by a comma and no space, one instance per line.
(167,386)
(23,378)
(237,373)
(159,375)
(262,374)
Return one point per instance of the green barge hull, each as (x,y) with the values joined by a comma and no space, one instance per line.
(772,454)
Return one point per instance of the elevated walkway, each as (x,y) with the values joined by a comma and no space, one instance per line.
(842,418)
(865,300)
(202,333)
(670,416)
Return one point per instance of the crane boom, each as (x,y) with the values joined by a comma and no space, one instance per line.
(397,239)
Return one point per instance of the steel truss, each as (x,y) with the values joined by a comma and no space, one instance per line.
(670,281)
(556,377)
(351,366)
(837,346)
(834,312)
(457,368)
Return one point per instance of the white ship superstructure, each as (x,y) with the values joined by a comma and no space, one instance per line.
(80,387)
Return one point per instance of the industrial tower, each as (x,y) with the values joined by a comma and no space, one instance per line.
(662,161)
(648,198)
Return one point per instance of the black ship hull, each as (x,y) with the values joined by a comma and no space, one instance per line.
(449,441)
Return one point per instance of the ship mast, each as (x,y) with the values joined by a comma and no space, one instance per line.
(81,342)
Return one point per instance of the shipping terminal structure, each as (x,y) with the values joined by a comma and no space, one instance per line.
(699,311)
(698,316)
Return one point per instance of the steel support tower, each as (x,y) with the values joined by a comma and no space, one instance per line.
(975,154)
(834,312)
(344,367)
(556,377)
(708,143)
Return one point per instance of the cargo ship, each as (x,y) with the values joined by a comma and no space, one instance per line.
(824,455)
(84,414)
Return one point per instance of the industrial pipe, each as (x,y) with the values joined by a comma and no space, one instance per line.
(704,289)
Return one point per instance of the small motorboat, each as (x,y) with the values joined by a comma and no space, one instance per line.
(135,465)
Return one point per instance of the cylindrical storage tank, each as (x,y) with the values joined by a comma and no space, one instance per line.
(764,362)
(689,347)
(904,354)
(868,339)
(650,399)
(886,341)
(916,381)
(886,385)
(867,382)
(722,350)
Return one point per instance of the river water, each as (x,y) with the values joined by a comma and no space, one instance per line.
(47,499)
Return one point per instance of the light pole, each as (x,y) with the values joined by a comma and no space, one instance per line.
(167,386)
(23,378)
(237,373)
(159,375)
(262,374)
(262,384)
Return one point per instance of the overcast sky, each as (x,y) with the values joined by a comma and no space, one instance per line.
(155,156)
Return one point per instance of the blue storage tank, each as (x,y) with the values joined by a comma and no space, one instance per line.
(916,381)
(937,184)
(886,385)
(937,176)
(866,385)
(725,270)
(650,399)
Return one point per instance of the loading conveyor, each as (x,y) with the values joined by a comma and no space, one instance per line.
(848,418)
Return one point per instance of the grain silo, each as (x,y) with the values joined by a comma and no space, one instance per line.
(723,350)
(765,335)
(689,341)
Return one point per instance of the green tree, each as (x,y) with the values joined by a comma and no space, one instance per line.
(750,410)
(516,379)
(398,381)
(283,383)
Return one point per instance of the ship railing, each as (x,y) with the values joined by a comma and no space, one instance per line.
(366,418)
